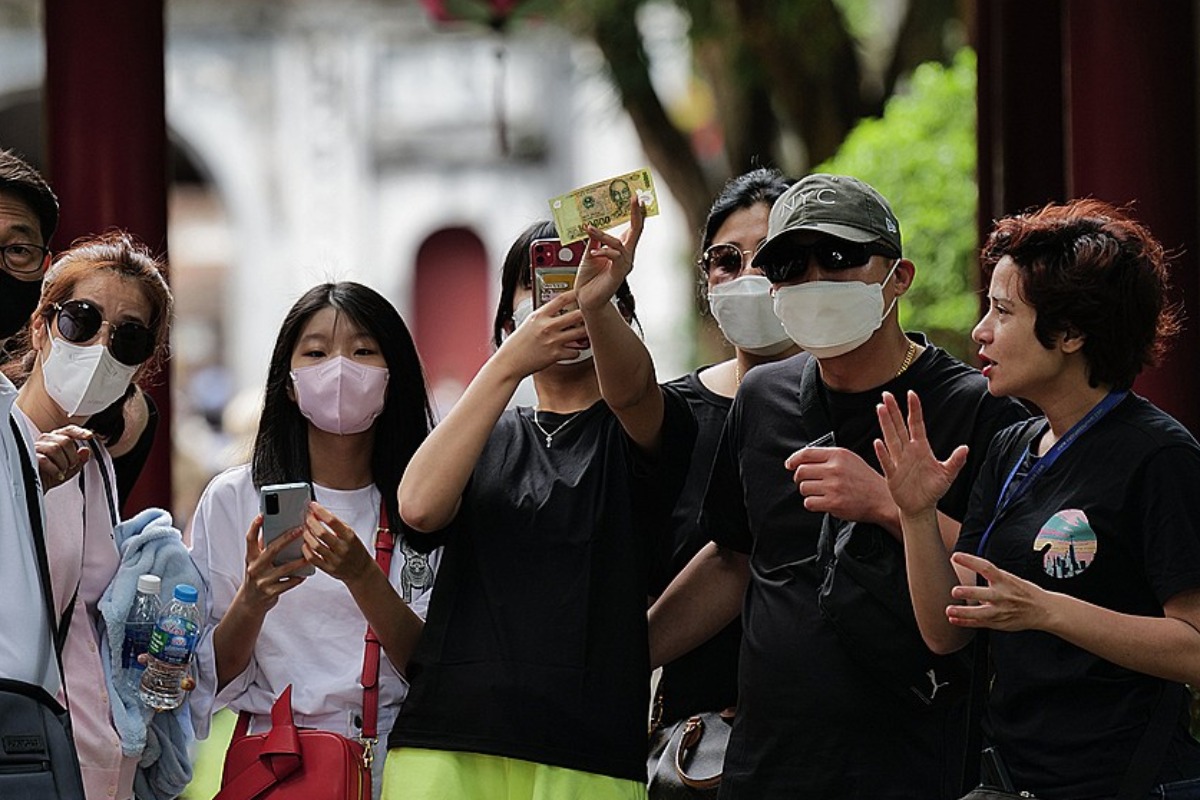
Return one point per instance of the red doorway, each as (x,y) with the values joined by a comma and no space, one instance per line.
(452,317)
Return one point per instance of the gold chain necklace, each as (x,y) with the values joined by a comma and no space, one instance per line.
(551,434)
(737,374)
(908,358)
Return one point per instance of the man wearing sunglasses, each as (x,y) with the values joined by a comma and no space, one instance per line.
(814,720)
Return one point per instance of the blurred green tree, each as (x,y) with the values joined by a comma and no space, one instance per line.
(921,155)
(785,81)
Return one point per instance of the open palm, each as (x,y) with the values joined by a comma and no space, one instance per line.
(915,477)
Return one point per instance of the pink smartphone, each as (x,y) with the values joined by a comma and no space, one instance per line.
(554,266)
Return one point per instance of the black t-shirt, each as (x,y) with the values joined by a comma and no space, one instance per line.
(810,723)
(535,646)
(704,679)
(1113,522)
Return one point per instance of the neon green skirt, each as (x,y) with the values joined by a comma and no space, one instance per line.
(412,773)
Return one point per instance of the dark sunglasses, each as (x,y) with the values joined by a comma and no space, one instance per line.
(831,254)
(79,321)
(725,258)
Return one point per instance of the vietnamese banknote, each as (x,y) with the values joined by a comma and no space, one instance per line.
(604,204)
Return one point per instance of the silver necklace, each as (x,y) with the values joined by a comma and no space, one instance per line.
(551,434)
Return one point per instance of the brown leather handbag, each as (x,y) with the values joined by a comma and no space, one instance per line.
(686,759)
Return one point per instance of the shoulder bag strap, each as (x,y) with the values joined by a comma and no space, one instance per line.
(980,672)
(814,417)
(385,543)
(1152,749)
(32,492)
(113,509)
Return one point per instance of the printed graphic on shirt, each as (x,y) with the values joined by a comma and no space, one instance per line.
(1067,544)
(417,576)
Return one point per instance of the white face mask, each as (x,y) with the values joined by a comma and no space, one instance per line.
(743,309)
(831,318)
(84,379)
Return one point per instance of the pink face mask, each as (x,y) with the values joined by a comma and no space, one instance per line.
(339,395)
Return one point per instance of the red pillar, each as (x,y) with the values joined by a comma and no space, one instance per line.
(1131,100)
(1098,98)
(1020,113)
(107,151)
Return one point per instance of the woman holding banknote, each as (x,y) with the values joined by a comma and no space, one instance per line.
(531,677)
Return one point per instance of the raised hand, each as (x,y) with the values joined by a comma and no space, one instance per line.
(915,477)
(608,261)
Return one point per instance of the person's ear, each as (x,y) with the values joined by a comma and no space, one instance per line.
(39,331)
(903,276)
(1071,341)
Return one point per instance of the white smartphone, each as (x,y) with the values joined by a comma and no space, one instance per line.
(284,506)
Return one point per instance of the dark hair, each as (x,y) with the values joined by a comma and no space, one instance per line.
(117,252)
(23,181)
(1088,268)
(281,445)
(516,271)
(762,185)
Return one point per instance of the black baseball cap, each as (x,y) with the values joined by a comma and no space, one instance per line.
(838,205)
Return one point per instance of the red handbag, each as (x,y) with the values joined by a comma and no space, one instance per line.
(290,763)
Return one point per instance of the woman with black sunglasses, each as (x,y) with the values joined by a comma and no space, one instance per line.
(100,323)
(739,299)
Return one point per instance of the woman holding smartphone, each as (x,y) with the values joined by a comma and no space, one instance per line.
(100,323)
(531,678)
(345,408)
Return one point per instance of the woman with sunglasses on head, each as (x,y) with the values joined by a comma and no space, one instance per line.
(1080,551)
(102,319)
(739,298)
(345,407)
(532,678)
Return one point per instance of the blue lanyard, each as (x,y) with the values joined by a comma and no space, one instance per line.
(1044,463)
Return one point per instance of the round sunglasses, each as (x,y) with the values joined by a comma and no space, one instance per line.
(832,254)
(725,258)
(79,321)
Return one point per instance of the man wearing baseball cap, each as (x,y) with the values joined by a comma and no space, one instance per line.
(815,718)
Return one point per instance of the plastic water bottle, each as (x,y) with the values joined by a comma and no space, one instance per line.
(138,626)
(170,651)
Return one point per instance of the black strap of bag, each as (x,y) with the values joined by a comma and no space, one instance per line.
(45,763)
(58,628)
